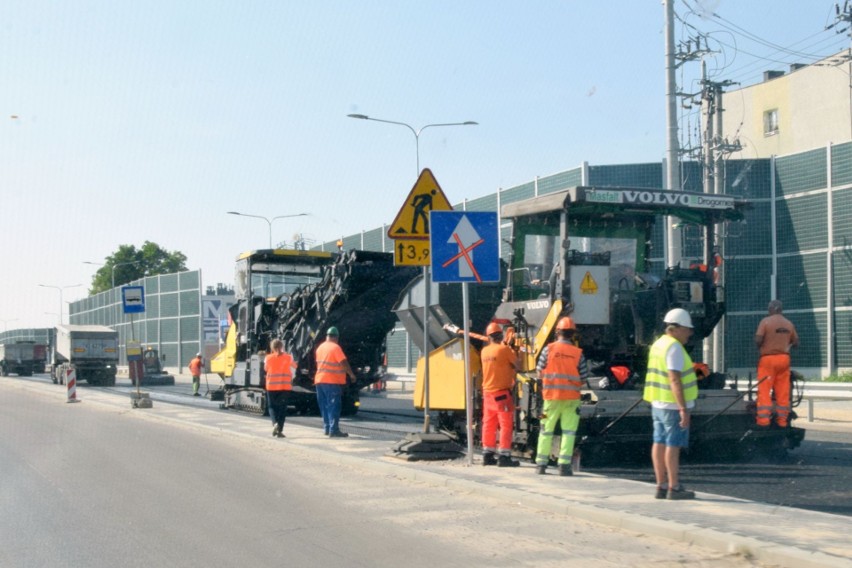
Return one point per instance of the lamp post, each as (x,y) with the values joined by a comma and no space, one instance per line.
(412,129)
(267,219)
(426,277)
(6,322)
(61,303)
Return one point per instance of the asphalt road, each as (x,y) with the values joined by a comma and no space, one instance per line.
(101,486)
(815,476)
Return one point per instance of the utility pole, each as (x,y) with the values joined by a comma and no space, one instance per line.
(844,18)
(714,150)
(674,248)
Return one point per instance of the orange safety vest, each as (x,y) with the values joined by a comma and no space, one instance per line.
(279,372)
(195,367)
(330,370)
(560,379)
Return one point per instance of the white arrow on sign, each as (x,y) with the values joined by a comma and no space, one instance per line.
(467,239)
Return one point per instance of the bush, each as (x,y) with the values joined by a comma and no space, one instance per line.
(842,378)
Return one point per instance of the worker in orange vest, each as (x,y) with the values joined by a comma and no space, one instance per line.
(562,369)
(499,366)
(195,367)
(775,336)
(330,379)
(279,369)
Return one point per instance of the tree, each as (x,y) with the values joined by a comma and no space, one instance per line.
(129,263)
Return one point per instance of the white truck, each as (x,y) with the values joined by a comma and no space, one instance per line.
(90,350)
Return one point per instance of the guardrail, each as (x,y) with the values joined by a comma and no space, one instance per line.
(825,391)
(812,391)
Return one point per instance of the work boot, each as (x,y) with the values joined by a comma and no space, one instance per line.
(338,434)
(541,470)
(565,470)
(489,458)
(276,430)
(507,461)
(679,493)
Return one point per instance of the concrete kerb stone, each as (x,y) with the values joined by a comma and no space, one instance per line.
(720,541)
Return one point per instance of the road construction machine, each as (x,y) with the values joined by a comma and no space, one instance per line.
(295,296)
(153,373)
(587,252)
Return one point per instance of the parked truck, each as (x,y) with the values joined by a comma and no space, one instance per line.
(18,358)
(90,350)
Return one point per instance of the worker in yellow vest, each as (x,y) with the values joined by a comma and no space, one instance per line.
(671,387)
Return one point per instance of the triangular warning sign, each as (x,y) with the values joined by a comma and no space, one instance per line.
(588,285)
(412,221)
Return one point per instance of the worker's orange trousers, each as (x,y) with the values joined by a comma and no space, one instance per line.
(773,374)
(498,408)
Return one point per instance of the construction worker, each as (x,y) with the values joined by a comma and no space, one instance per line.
(332,372)
(195,367)
(671,387)
(562,369)
(279,384)
(775,336)
(499,366)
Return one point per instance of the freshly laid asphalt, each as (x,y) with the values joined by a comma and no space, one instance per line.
(769,534)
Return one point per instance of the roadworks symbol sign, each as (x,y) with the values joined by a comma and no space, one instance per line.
(412,221)
(588,285)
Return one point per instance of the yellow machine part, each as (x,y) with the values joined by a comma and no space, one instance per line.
(530,353)
(224,361)
(446,377)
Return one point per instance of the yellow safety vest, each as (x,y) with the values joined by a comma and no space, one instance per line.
(657,385)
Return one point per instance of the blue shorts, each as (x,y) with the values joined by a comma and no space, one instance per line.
(667,428)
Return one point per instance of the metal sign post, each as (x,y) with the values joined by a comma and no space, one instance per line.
(468,380)
(133,299)
(465,249)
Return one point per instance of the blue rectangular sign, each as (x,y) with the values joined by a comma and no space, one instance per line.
(133,299)
(465,246)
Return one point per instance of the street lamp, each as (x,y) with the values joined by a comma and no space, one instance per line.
(413,131)
(61,303)
(426,277)
(5,322)
(267,219)
(112,267)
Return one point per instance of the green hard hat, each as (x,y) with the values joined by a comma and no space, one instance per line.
(333,331)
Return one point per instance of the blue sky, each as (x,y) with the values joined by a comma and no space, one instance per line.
(150,120)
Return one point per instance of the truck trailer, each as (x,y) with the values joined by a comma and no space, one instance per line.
(90,350)
(18,358)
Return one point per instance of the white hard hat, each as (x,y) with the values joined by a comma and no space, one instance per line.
(678,316)
(198,354)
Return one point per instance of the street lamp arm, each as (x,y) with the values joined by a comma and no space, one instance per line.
(365,117)
(465,123)
(286,216)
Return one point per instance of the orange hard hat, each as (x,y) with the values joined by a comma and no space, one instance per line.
(493,328)
(565,324)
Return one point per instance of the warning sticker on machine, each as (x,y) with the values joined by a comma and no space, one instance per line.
(589,286)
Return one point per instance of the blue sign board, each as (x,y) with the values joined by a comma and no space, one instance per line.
(465,246)
(133,299)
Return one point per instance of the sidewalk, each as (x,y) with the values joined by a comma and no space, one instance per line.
(769,534)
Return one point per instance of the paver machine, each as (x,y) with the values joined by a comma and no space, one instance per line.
(587,252)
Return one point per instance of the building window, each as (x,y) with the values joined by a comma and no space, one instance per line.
(770,122)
